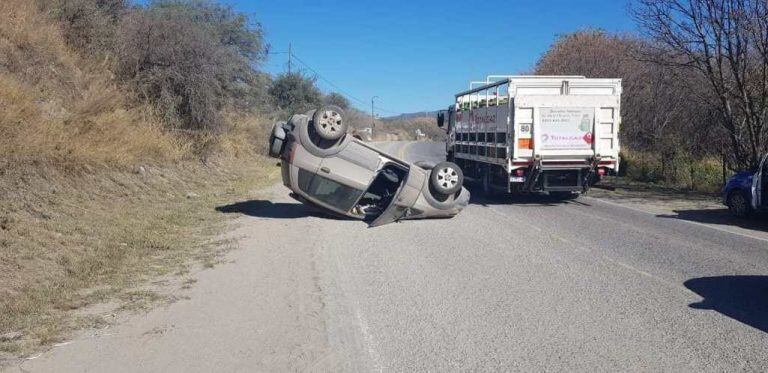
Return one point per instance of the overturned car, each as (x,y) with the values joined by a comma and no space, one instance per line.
(325,167)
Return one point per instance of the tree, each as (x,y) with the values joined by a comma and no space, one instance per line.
(295,92)
(725,43)
(87,25)
(660,112)
(593,53)
(337,99)
(190,59)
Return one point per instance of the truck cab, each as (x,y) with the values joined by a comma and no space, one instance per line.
(446,119)
(745,192)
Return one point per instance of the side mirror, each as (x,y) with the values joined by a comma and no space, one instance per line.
(440,119)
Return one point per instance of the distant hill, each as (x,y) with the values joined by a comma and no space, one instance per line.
(407,116)
(411,126)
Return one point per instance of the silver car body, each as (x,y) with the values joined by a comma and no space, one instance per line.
(341,179)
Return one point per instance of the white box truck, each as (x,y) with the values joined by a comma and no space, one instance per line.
(523,134)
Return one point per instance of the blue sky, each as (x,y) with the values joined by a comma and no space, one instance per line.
(415,55)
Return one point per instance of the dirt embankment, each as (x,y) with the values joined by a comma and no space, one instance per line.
(70,239)
(98,195)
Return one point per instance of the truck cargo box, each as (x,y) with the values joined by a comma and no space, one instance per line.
(536,133)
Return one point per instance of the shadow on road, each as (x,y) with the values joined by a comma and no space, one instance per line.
(625,189)
(742,298)
(268,209)
(719,217)
(536,200)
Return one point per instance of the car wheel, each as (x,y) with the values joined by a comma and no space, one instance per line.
(738,206)
(329,123)
(564,195)
(277,139)
(446,178)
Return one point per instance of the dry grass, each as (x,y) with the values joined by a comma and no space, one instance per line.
(57,107)
(248,135)
(405,129)
(67,242)
(95,197)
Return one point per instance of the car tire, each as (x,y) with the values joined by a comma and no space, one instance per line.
(446,178)
(277,140)
(329,123)
(564,195)
(738,205)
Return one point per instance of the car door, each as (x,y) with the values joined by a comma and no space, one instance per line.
(343,177)
(450,142)
(301,167)
(405,197)
(354,166)
(759,195)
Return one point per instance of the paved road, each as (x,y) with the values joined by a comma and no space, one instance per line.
(523,285)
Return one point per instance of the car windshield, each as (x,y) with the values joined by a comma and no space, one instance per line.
(328,191)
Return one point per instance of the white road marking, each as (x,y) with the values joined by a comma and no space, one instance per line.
(682,220)
(363,323)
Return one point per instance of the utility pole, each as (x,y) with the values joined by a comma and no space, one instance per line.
(290,53)
(373,117)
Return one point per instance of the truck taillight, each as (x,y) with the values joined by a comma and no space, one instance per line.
(524,143)
(601,171)
(520,172)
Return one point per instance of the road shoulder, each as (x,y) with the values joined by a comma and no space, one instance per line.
(669,203)
(261,310)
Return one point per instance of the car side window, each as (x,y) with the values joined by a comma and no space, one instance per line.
(305,178)
(328,191)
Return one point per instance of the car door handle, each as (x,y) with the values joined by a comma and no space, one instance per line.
(325,169)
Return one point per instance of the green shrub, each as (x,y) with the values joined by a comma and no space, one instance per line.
(190,59)
(641,166)
(680,171)
(88,25)
(337,99)
(707,175)
(295,93)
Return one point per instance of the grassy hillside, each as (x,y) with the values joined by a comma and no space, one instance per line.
(56,107)
(98,194)
(406,129)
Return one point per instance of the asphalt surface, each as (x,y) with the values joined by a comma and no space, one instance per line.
(526,284)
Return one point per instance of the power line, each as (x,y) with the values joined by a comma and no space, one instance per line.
(339,89)
(321,77)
